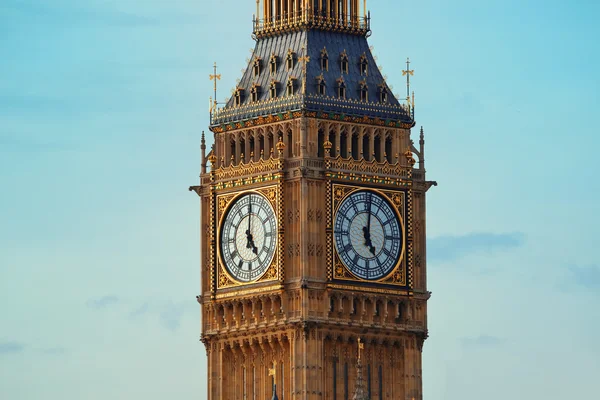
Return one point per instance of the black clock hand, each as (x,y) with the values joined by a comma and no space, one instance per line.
(250,241)
(367,229)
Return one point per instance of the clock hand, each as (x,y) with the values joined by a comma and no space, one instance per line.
(367,229)
(369,216)
(250,241)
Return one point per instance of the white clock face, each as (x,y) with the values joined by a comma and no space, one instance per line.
(248,237)
(368,235)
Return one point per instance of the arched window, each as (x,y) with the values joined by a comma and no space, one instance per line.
(321,86)
(324,60)
(273,89)
(239,97)
(364,65)
(383,94)
(291,87)
(290,59)
(255,92)
(273,64)
(364,92)
(341,89)
(344,62)
(257,66)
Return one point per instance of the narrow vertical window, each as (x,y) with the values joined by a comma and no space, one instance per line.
(364,91)
(364,65)
(282,382)
(342,90)
(291,87)
(334,378)
(257,67)
(255,93)
(273,64)
(346,391)
(245,383)
(369,381)
(321,88)
(344,62)
(381,382)
(290,59)
(239,97)
(324,60)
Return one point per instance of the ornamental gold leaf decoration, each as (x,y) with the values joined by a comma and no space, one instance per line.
(224,280)
(371,167)
(270,194)
(250,168)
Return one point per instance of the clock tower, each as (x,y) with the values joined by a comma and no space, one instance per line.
(313,258)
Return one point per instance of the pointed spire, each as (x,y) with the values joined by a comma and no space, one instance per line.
(203,153)
(422,150)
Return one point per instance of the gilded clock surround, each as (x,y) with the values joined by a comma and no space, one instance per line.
(274,273)
(398,275)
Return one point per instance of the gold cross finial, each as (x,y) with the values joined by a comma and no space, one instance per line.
(361,346)
(304,60)
(215,77)
(408,73)
(273,371)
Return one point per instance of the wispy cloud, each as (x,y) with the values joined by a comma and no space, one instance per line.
(170,314)
(11,347)
(482,341)
(102,302)
(587,277)
(449,248)
(138,312)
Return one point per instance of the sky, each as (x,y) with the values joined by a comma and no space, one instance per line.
(102,104)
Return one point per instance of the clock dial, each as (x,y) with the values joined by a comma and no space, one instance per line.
(248,237)
(368,235)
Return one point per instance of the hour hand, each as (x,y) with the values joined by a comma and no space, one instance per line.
(368,242)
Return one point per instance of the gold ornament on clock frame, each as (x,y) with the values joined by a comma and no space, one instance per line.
(400,203)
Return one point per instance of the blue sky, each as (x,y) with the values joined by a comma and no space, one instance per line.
(102,103)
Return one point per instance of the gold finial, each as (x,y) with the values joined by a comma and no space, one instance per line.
(280,146)
(361,346)
(408,73)
(215,77)
(213,159)
(304,60)
(409,157)
(273,371)
(327,146)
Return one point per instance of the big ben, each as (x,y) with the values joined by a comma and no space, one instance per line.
(313,256)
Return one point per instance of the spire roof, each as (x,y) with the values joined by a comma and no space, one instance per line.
(348,59)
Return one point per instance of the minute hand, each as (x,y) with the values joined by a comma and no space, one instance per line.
(367,229)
